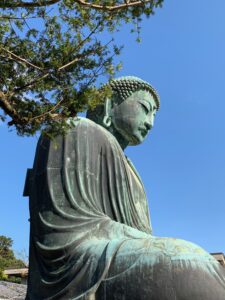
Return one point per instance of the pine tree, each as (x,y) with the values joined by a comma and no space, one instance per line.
(52,54)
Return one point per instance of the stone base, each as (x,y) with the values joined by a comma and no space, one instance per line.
(12,291)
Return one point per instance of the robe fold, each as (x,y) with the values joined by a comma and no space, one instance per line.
(90,232)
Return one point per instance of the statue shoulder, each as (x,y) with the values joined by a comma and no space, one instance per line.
(79,123)
(90,129)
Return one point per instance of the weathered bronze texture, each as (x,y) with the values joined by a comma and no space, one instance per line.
(90,233)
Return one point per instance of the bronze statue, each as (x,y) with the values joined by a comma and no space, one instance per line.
(90,235)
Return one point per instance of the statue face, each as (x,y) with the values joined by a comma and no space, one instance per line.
(134,117)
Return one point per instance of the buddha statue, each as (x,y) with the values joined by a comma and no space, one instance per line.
(90,230)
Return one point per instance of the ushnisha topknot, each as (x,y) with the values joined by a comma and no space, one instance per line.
(125,86)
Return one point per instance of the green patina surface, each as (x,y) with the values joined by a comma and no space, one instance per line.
(91,234)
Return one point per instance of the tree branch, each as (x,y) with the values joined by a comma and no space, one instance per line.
(76,59)
(113,7)
(37,79)
(19,120)
(68,64)
(8,108)
(22,4)
(18,58)
(5,17)
(48,113)
(79,46)
(42,3)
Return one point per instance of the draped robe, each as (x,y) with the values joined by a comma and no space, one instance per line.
(90,232)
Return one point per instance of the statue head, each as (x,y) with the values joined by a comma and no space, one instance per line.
(129,113)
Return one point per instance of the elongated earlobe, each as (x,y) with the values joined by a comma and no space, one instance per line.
(107,120)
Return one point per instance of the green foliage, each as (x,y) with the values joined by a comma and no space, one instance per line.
(8,259)
(11,279)
(52,54)
(3,276)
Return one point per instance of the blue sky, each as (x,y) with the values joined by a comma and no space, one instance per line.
(182,162)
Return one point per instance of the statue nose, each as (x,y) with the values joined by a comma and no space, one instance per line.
(149,122)
(148,125)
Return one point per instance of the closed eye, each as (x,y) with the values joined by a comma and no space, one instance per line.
(146,106)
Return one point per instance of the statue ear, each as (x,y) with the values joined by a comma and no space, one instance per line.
(107,120)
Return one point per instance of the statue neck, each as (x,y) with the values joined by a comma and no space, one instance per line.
(120,139)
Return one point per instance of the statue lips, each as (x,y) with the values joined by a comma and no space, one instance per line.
(144,131)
